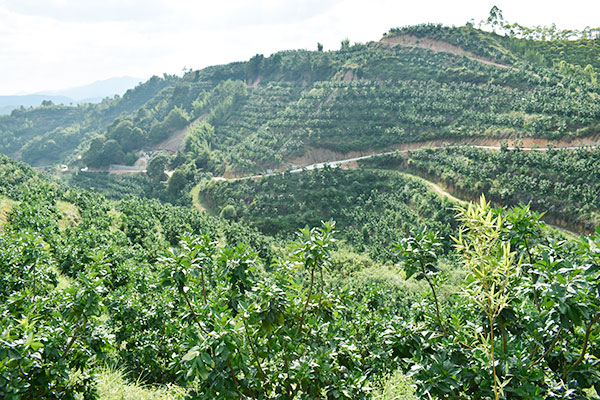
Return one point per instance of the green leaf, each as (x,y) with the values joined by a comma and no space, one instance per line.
(190,355)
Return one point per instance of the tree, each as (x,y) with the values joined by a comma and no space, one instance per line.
(176,119)
(253,67)
(120,130)
(420,256)
(128,135)
(199,137)
(157,132)
(178,160)
(102,153)
(134,140)
(156,167)
(495,18)
(319,47)
(345,44)
(228,212)
(176,182)
(112,153)
(92,156)
(492,266)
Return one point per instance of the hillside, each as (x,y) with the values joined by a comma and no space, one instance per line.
(372,209)
(92,93)
(175,296)
(560,183)
(241,265)
(51,134)
(416,84)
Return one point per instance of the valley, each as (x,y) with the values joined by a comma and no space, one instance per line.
(412,217)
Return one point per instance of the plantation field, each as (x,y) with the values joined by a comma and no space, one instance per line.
(361,223)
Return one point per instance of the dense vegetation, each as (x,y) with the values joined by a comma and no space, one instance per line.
(562,183)
(50,134)
(174,295)
(368,96)
(544,46)
(406,295)
(372,209)
(265,112)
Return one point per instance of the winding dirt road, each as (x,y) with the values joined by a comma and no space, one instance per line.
(436,188)
(339,163)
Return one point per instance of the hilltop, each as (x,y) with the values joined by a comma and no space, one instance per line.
(415,84)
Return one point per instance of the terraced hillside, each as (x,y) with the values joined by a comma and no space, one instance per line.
(418,83)
(561,183)
(373,209)
(323,281)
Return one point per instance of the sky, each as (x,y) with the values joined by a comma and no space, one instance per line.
(56,44)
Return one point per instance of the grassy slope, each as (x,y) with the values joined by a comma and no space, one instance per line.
(69,214)
(6,205)
(113,385)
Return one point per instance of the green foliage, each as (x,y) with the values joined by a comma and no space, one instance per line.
(102,153)
(366,96)
(49,336)
(13,176)
(107,259)
(373,209)
(53,133)
(561,183)
(112,186)
(173,295)
(420,257)
(156,167)
(260,335)
(492,266)
(177,181)
(228,212)
(126,134)
(509,326)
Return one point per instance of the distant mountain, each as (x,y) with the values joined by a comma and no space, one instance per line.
(92,93)
(9,103)
(97,90)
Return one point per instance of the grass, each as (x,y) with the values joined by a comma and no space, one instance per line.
(112,385)
(115,218)
(196,198)
(395,387)
(69,215)
(6,205)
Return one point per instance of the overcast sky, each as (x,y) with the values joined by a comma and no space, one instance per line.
(56,44)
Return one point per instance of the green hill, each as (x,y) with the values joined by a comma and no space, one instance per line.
(418,83)
(251,290)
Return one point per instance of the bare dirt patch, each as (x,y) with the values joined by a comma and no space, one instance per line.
(175,142)
(437,46)
(350,165)
(315,155)
(349,76)
(141,163)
